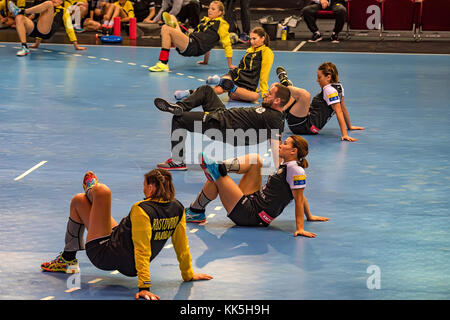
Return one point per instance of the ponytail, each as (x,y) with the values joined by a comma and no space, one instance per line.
(162,180)
(302,150)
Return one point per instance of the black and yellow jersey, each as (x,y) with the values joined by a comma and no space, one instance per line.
(210,31)
(254,68)
(68,3)
(142,235)
(62,18)
(127,8)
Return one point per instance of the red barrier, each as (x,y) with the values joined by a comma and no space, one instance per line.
(132,28)
(116,29)
(364,14)
(435,15)
(398,14)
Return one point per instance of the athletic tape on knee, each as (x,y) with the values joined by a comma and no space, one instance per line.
(232,165)
(74,236)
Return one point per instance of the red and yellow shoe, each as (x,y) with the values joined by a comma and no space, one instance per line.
(89,180)
(61,265)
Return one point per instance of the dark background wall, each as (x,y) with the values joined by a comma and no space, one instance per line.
(285,4)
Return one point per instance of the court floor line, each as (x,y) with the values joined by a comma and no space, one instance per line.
(30,170)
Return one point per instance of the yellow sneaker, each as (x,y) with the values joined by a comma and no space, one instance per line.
(167,17)
(159,67)
(61,265)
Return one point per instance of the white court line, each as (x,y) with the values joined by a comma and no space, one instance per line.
(48,298)
(118,61)
(30,170)
(72,289)
(191,77)
(180,74)
(193,231)
(92,57)
(95,280)
(104,59)
(299,46)
(131,63)
(144,66)
(201,80)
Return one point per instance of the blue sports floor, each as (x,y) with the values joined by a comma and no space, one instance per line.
(387,194)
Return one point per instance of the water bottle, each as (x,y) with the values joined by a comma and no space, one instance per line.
(284,33)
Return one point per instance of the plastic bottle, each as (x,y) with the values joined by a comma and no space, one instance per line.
(284,33)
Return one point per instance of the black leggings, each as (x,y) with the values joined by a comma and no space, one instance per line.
(203,96)
(309,14)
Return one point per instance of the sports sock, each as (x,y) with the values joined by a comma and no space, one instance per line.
(200,202)
(164,55)
(74,239)
(69,255)
(232,165)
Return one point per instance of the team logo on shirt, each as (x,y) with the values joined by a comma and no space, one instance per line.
(299,180)
(333,96)
(260,110)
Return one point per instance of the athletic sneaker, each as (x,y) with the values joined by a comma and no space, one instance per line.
(61,265)
(244,38)
(316,37)
(13,9)
(167,17)
(79,30)
(159,67)
(166,106)
(181,94)
(213,80)
(334,38)
(23,52)
(172,165)
(209,167)
(282,75)
(89,180)
(194,217)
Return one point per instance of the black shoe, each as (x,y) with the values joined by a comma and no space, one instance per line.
(165,106)
(334,38)
(282,75)
(316,37)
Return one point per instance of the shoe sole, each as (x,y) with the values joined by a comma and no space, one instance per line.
(164,106)
(195,221)
(205,169)
(313,41)
(158,70)
(168,20)
(69,270)
(173,169)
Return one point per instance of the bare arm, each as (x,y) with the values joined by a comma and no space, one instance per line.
(301,210)
(205,59)
(347,117)
(299,199)
(341,120)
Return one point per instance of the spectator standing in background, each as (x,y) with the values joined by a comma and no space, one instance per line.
(245,18)
(182,9)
